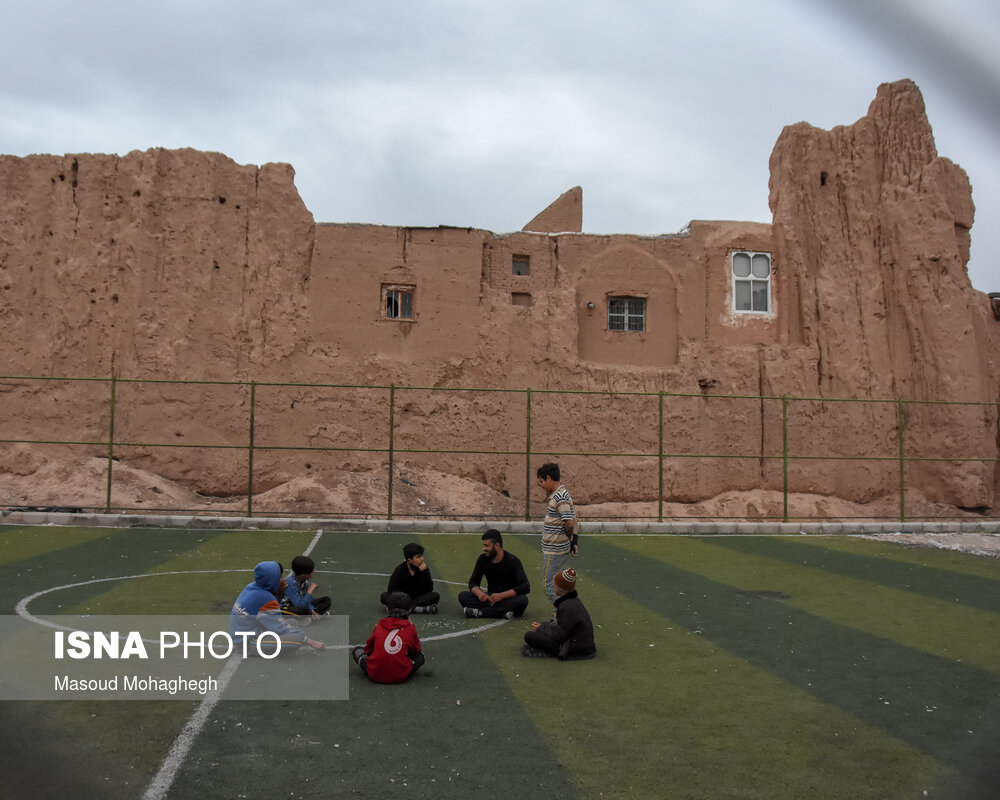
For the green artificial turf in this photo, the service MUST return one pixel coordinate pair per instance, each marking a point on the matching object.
(727, 667)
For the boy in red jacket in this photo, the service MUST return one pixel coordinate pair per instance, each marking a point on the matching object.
(392, 653)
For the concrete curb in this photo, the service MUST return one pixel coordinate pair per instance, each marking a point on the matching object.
(696, 527)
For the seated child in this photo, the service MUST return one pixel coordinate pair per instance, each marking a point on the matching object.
(256, 611)
(392, 653)
(414, 578)
(571, 635)
(299, 590)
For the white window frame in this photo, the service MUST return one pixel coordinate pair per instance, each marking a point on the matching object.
(751, 284)
(626, 313)
(397, 302)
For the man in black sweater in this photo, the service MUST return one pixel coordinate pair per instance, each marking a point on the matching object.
(507, 584)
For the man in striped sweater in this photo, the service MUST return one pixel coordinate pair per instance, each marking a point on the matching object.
(559, 531)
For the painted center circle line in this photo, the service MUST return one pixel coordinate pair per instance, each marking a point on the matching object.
(22, 606)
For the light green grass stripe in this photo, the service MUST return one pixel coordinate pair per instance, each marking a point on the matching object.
(933, 626)
(21, 544)
(233, 549)
(952, 560)
(661, 712)
(199, 592)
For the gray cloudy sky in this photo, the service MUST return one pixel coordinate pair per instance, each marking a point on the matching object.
(469, 113)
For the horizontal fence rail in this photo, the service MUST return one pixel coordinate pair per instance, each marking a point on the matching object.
(238, 432)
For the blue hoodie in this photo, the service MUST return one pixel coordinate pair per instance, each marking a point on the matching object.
(256, 609)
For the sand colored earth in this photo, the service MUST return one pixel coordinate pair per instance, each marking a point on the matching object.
(417, 493)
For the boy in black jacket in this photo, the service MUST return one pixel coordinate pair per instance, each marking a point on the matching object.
(413, 578)
(571, 635)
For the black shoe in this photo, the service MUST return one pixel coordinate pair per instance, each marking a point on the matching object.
(432, 609)
(532, 652)
(473, 612)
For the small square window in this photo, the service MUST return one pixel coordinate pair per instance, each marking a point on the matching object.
(398, 301)
(521, 265)
(520, 298)
(627, 314)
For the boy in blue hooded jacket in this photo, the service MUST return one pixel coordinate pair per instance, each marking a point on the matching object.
(256, 610)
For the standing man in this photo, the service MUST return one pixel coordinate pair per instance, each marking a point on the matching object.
(507, 584)
(559, 531)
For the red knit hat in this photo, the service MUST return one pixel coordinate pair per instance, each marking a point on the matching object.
(566, 580)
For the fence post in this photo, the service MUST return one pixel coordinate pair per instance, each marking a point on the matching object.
(111, 442)
(253, 400)
(659, 462)
(784, 457)
(392, 438)
(527, 455)
(900, 430)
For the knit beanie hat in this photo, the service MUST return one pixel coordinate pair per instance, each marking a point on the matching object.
(566, 580)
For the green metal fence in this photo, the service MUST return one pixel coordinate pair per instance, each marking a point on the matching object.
(248, 437)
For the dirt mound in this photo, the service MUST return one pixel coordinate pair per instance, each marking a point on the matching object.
(417, 492)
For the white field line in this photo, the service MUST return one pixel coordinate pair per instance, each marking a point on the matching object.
(159, 787)
(164, 779)
(314, 542)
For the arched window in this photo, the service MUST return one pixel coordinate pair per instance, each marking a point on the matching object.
(751, 282)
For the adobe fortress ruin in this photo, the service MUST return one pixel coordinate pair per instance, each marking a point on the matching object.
(185, 265)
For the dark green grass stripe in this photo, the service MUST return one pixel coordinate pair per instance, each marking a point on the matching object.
(924, 700)
(455, 731)
(941, 584)
(120, 552)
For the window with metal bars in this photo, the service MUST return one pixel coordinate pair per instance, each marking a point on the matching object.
(627, 314)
